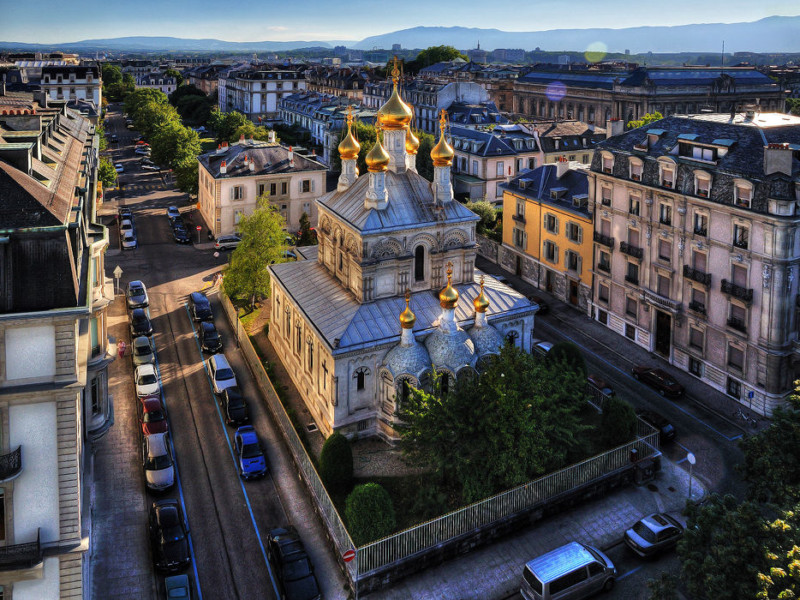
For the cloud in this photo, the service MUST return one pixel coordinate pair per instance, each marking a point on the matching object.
(277, 28)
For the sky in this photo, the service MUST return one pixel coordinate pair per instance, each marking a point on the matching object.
(54, 21)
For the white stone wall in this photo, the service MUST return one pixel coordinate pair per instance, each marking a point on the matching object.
(46, 588)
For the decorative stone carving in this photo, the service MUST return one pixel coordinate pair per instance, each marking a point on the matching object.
(766, 275)
(387, 249)
(426, 239)
(455, 239)
(681, 245)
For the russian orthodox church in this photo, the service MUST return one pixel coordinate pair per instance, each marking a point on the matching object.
(391, 292)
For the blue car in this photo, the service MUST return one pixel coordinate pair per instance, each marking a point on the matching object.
(252, 463)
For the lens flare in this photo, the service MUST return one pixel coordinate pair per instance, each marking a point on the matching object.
(556, 91)
(595, 52)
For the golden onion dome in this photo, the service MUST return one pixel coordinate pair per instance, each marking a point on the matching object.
(349, 146)
(395, 114)
(407, 318)
(442, 153)
(412, 142)
(448, 297)
(377, 159)
(481, 302)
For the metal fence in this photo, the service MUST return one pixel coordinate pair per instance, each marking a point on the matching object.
(388, 550)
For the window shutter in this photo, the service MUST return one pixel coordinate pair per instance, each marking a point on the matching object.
(555, 254)
(312, 185)
(580, 234)
(232, 193)
(580, 264)
(555, 221)
(524, 241)
(300, 187)
(244, 193)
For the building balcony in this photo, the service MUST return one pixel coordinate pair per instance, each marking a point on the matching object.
(737, 324)
(633, 251)
(604, 240)
(697, 307)
(660, 301)
(737, 291)
(21, 556)
(696, 275)
(519, 218)
(11, 465)
(605, 267)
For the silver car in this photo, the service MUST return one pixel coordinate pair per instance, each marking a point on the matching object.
(222, 376)
(142, 351)
(129, 241)
(159, 471)
(227, 242)
(137, 295)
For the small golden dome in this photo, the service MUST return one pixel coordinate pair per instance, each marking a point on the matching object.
(448, 297)
(412, 142)
(394, 114)
(349, 146)
(442, 153)
(481, 302)
(377, 159)
(407, 318)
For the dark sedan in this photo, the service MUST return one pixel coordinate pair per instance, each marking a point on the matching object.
(181, 235)
(543, 306)
(140, 323)
(210, 340)
(658, 379)
(653, 534)
(169, 536)
(200, 307)
(296, 575)
(666, 430)
(234, 406)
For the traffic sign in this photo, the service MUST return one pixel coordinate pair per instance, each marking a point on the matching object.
(690, 457)
(349, 555)
(199, 227)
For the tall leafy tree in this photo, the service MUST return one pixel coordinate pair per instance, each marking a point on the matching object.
(106, 172)
(487, 212)
(781, 578)
(186, 174)
(138, 98)
(174, 73)
(225, 124)
(152, 117)
(517, 422)
(263, 237)
(172, 143)
(431, 56)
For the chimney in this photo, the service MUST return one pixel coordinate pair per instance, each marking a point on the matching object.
(777, 159)
(252, 165)
(241, 139)
(291, 156)
(562, 166)
(614, 127)
(223, 168)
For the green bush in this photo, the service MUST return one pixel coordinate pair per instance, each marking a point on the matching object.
(336, 463)
(619, 422)
(569, 354)
(370, 513)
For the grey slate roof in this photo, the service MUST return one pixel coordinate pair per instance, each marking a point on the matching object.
(347, 325)
(270, 159)
(410, 205)
(491, 143)
(538, 183)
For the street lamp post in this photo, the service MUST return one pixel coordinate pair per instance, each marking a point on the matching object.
(692, 460)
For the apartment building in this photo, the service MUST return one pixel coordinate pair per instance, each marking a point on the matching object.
(157, 81)
(73, 83)
(697, 249)
(54, 350)
(347, 82)
(256, 93)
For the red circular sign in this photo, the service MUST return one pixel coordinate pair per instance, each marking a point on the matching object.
(199, 228)
(349, 555)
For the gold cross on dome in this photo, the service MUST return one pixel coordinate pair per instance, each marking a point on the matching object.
(443, 120)
(395, 70)
(408, 296)
(449, 270)
(349, 114)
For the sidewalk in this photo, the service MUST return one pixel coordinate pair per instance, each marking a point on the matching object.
(594, 336)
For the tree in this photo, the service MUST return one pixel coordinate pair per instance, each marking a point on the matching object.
(424, 161)
(782, 579)
(793, 106)
(106, 172)
(645, 120)
(225, 124)
(262, 244)
(185, 91)
(370, 513)
(722, 549)
(115, 85)
(569, 354)
(186, 174)
(174, 73)
(517, 422)
(101, 136)
(150, 118)
(663, 588)
(431, 56)
(336, 463)
(487, 212)
(172, 144)
(307, 236)
(138, 98)
(619, 422)
(250, 130)
(195, 110)
(111, 74)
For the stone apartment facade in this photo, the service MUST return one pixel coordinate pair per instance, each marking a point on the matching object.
(256, 93)
(697, 247)
(72, 83)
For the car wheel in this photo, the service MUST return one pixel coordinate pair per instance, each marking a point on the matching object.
(608, 585)
(662, 392)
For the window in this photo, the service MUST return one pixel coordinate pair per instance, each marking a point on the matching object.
(698, 301)
(237, 218)
(299, 338)
(419, 263)
(739, 275)
(735, 357)
(633, 237)
(574, 232)
(500, 167)
(261, 189)
(702, 184)
(741, 236)
(512, 337)
(634, 204)
(288, 323)
(631, 306)
(273, 189)
(665, 250)
(630, 331)
(696, 338)
(520, 209)
(700, 224)
(663, 285)
(604, 261)
(96, 395)
(602, 317)
(632, 274)
(605, 227)
(237, 193)
(667, 174)
(567, 581)
(551, 223)
(602, 293)
(360, 376)
(608, 162)
(520, 238)
(635, 169)
(743, 194)
(573, 261)
(475, 168)
(305, 186)
(95, 332)
(310, 355)
(444, 384)
(550, 251)
(605, 196)
(665, 214)
(284, 188)
(734, 388)
(2, 521)
(738, 317)
(324, 375)
(695, 367)
(699, 260)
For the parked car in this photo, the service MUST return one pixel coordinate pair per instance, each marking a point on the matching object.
(126, 225)
(658, 379)
(125, 213)
(222, 375)
(119, 168)
(250, 457)
(599, 384)
(142, 151)
(153, 418)
(666, 430)
(136, 292)
(159, 471)
(210, 340)
(146, 161)
(169, 537)
(140, 323)
(129, 241)
(173, 212)
(573, 571)
(200, 307)
(544, 308)
(142, 351)
(176, 587)
(234, 406)
(146, 381)
(141, 143)
(541, 347)
(181, 235)
(227, 242)
(150, 167)
(178, 222)
(114, 139)
(286, 552)
(654, 534)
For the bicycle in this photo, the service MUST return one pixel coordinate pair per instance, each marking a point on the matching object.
(741, 415)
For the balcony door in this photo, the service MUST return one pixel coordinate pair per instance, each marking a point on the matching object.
(663, 333)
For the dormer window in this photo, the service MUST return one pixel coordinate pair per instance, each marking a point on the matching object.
(702, 184)
(636, 167)
(666, 172)
(608, 162)
(742, 193)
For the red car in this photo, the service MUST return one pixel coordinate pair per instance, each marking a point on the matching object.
(153, 418)
(658, 379)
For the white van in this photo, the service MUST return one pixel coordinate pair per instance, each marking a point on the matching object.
(571, 572)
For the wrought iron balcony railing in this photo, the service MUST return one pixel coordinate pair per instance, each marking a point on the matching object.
(604, 239)
(696, 275)
(21, 556)
(633, 251)
(737, 291)
(11, 464)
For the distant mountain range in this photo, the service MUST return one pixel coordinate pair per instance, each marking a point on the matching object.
(772, 34)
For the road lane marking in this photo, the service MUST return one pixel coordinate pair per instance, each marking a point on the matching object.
(631, 572)
(232, 454)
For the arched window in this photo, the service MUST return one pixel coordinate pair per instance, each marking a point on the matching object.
(361, 376)
(444, 384)
(419, 263)
(511, 337)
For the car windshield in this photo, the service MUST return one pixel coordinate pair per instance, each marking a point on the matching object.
(211, 334)
(644, 532)
(251, 451)
(224, 374)
(173, 533)
(140, 318)
(143, 350)
(156, 463)
(136, 291)
(147, 379)
(153, 416)
(297, 569)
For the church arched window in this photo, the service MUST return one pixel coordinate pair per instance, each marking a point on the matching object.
(419, 263)
(444, 384)
(361, 378)
(511, 337)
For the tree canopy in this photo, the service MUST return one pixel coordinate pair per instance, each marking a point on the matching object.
(487, 212)
(138, 98)
(518, 421)
(106, 172)
(176, 74)
(793, 105)
(193, 105)
(262, 244)
(115, 85)
(645, 120)
(225, 124)
(431, 56)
